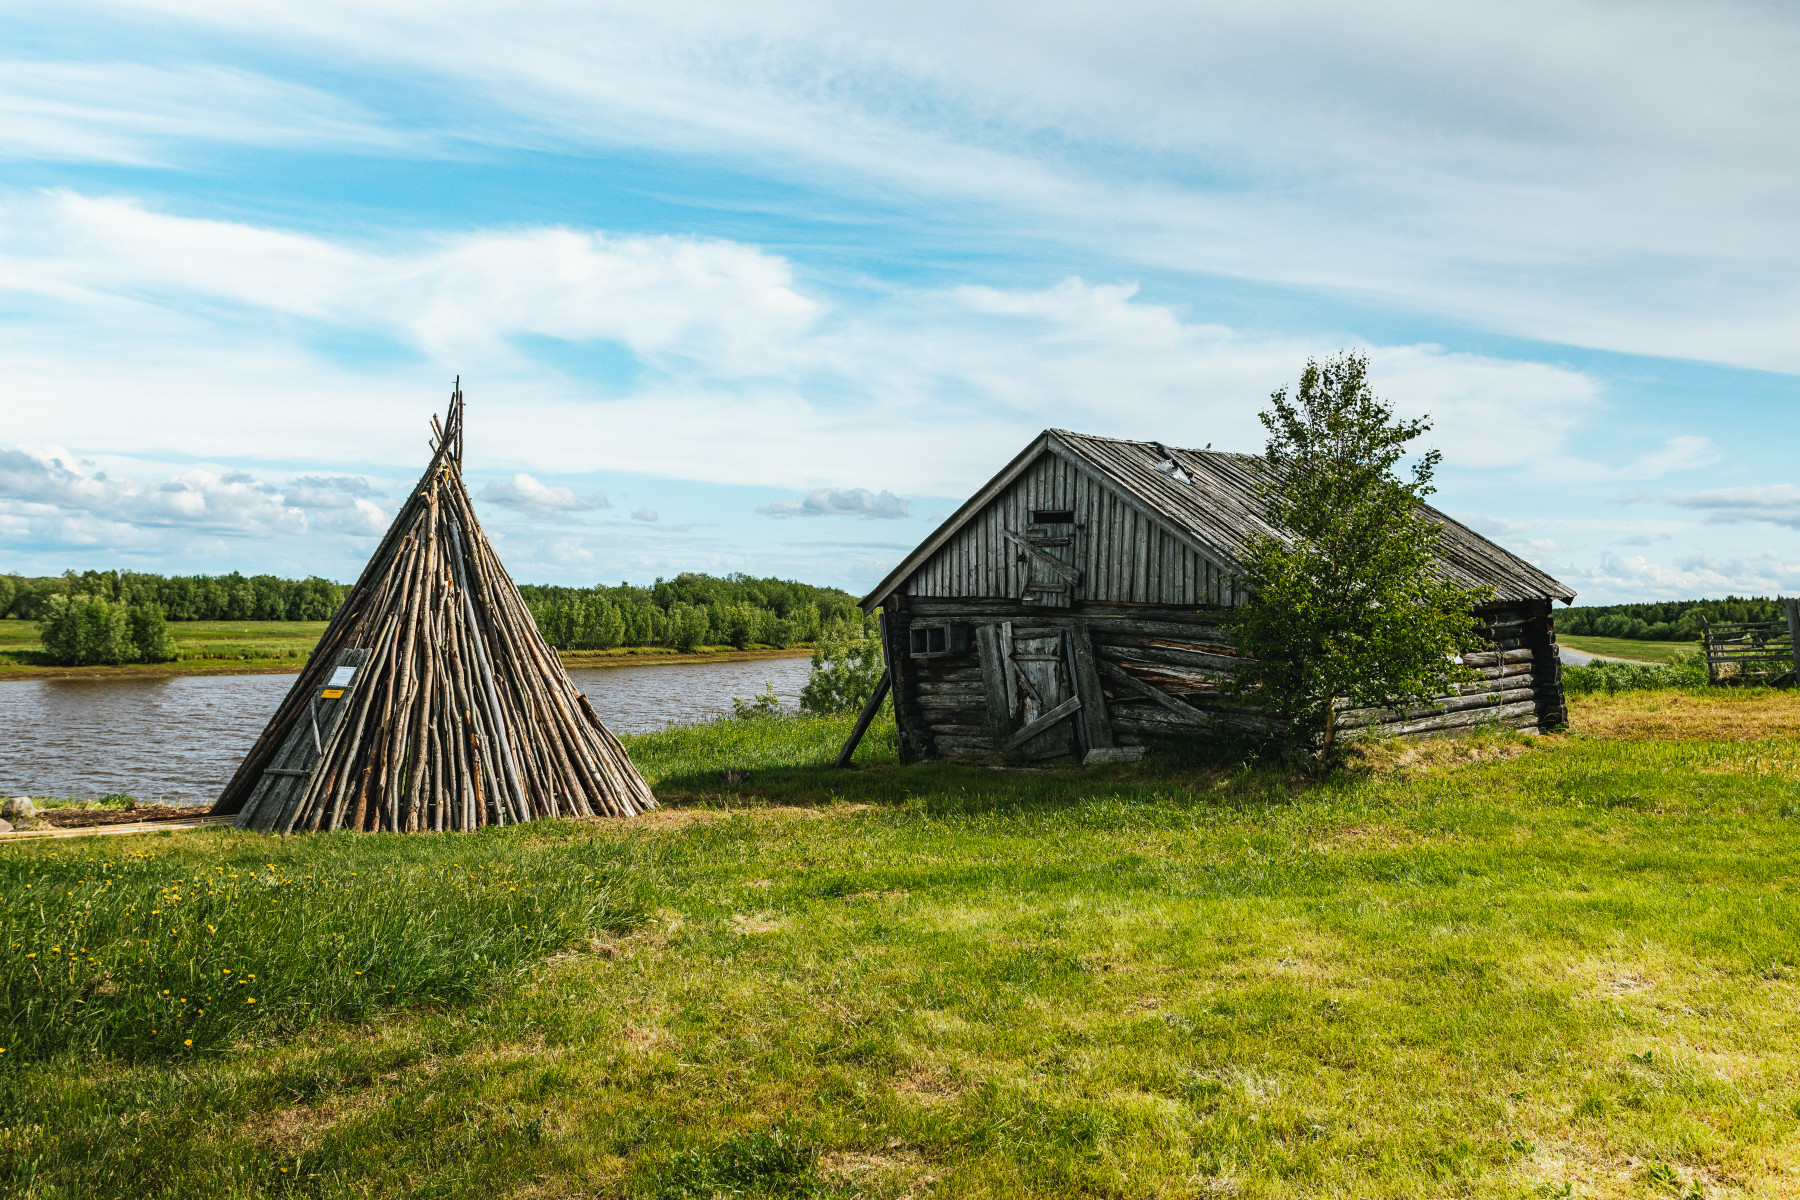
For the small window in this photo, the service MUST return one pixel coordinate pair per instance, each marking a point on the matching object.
(1052, 516)
(929, 640)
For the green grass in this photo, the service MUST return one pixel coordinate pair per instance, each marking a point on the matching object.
(1656, 652)
(1510, 966)
(205, 644)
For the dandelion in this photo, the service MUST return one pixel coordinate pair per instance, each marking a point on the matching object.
(253, 1000)
(189, 1042)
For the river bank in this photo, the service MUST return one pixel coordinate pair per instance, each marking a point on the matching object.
(281, 647)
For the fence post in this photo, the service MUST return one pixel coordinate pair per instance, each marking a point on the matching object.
(1793, 616)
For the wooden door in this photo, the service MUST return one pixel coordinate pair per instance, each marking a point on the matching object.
(1040, 666)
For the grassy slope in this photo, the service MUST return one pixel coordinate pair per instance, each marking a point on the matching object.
(1658, 652)
(245, 647)
(1489, 969)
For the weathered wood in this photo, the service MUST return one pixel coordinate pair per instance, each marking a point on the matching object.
(1096, 731)
(1151, 652)
(1452, 720)
(989, 649)
(1357, 717)
(862, 721)
(1138, 687)
(1061, 712)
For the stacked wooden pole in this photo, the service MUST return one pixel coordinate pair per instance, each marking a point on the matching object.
(432, 702)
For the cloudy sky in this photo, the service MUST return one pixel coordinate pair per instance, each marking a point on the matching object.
(772, 287)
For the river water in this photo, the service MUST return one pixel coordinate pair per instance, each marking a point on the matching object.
(179, 740)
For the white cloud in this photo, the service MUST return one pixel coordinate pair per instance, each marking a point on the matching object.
(132, 113)
(528, 495)
(1569, 171)
(840, 502)
(1755, 574)
(50, 497)
(644, 514)
(1776, 503)
(729, 304)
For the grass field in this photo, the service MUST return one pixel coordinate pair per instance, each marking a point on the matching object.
(1657, 652)
(1503, 967)
(241, 647)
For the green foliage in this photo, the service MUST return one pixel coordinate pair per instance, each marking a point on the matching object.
(846, 667)
(232, 597)
(1609, 677)
(83, 629)
(757, 705)
(1347, 605)
(1665, 621)
(150, 637)
(687, 611)
(9, 588)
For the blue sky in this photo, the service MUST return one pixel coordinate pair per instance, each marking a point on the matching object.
(772, 288)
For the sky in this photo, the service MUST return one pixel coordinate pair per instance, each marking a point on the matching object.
(772, 288)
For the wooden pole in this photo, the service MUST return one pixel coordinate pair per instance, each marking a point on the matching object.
(862, 721)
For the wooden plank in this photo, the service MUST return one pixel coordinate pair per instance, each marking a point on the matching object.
(1096, 731)
(862, 721)
(993, 675)
(1137, 686)
(1061, 712)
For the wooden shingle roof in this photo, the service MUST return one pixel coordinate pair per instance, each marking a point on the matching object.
(1217, 509)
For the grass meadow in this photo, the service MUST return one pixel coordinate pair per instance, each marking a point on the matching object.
(1505, 966)
(1629, 648)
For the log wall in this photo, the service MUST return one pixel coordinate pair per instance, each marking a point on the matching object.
(1162, 671)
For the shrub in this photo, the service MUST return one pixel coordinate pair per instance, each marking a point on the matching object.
(150, 640)
(846, 667)
(80, 630)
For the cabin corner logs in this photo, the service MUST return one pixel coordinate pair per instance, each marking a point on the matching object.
(1080, 603)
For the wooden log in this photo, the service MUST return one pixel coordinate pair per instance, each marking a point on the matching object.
(1357, 717)
(863, 720)
(1453, 720)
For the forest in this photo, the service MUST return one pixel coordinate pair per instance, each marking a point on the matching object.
(1666, 620)
(114, 616)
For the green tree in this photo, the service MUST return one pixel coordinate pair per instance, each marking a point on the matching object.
(1347, 608)
(84, 629)
(8, 589)
(149, 633)
(846, 667)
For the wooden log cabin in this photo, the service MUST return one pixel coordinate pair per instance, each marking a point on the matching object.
(1080, 602)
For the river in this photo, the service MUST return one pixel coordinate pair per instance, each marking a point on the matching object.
(178, 740)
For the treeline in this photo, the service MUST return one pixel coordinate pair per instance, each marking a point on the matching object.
(690, 610)
(232, 597)
(1665, 621)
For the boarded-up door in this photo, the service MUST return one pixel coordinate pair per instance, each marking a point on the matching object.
(1040, 664)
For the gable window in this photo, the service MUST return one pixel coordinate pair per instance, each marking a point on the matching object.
(1052, 516)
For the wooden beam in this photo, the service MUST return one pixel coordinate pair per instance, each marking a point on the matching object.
(1119, 674)
(1063, 711)
(1096, 729)
(862, 721)
(989, 650)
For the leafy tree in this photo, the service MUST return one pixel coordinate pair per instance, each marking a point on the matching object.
(8, 589)
(846, 667)
(83, 629)
(1347, 608)
(149, 632)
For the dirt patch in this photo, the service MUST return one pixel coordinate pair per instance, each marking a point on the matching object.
(1727, 715)
(1393, 757)
(924, 1087)
(892, 1164)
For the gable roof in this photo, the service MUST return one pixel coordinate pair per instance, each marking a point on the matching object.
(1217, 510)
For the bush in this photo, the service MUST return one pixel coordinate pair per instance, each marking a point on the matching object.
(846, 666)
(150, 640)
(81, 630)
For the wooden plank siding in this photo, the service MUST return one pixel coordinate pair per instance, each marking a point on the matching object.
(1123, 555)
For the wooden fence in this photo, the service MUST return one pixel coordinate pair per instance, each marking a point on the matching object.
(1755, 651)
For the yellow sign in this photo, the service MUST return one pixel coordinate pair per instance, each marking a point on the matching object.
(332, 694)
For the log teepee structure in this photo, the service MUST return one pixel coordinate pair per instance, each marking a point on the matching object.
(432, 702)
